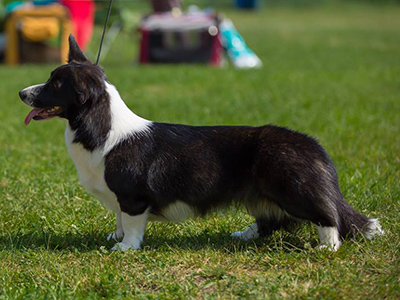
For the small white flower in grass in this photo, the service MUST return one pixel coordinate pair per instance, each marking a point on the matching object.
(74, 226)
(103, 249)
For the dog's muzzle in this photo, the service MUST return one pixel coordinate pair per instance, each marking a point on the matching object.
(23, 95)
(29, 93)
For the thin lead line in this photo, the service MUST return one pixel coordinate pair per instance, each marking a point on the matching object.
(104, 31)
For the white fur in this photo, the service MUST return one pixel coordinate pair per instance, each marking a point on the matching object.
(374, 228)
(250, 233)
(177, 212)
(133, 227)
(123, 121)
(27, 89)
(31, 90)
(329, 237)
(90, 165)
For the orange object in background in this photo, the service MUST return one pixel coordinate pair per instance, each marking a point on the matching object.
(40, 29)
(17, 17)
(82, 19)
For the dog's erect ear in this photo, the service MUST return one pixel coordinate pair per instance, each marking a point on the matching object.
(75, 53)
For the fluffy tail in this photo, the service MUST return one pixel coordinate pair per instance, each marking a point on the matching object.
(352, 223)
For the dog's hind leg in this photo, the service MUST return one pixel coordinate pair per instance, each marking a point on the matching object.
(329, 237)
(321, 211)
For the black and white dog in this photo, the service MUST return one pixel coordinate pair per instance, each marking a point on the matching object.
(144, 170)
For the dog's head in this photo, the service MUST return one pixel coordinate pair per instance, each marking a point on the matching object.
(71, 89)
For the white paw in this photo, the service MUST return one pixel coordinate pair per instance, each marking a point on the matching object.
(241, 235)
(248, 234)
(237, 235)
(329, 237)
(123, 247)
(321, 247)
(117, 235)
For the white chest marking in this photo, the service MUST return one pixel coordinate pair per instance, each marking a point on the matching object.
(91, 165)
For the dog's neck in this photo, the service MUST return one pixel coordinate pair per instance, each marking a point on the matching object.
(107, 123)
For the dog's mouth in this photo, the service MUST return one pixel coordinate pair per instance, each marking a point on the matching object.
(39, 114)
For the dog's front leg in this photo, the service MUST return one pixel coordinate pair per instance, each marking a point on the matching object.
(119, 232)
(133, 228)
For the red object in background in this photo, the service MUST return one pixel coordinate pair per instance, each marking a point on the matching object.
(82, 17)
(217, 52)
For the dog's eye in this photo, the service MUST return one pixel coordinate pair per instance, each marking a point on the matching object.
(57, 84)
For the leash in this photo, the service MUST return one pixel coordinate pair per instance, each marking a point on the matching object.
(104, 32)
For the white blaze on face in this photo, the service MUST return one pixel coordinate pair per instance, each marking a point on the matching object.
(31, 92)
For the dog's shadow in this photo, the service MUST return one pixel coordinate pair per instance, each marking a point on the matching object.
(224, 242)
(94, 241)
(52, 241)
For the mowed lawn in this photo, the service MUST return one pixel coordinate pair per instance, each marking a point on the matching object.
(330, 71)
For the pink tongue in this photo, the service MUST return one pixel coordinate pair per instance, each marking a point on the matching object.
(31, 114)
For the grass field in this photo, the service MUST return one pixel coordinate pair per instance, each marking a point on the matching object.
(331, 71)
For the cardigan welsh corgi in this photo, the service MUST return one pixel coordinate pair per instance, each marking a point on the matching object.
(144, 170)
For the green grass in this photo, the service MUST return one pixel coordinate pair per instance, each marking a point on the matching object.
(330, 71)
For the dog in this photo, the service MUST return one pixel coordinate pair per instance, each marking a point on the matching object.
(148, 171)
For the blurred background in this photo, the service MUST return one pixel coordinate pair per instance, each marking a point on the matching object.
(174, 31)
(205, 62)
(320, 66)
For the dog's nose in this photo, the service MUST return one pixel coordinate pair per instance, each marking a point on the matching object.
(22, 94)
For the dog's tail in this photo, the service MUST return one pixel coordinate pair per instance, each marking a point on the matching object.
(352, 223)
